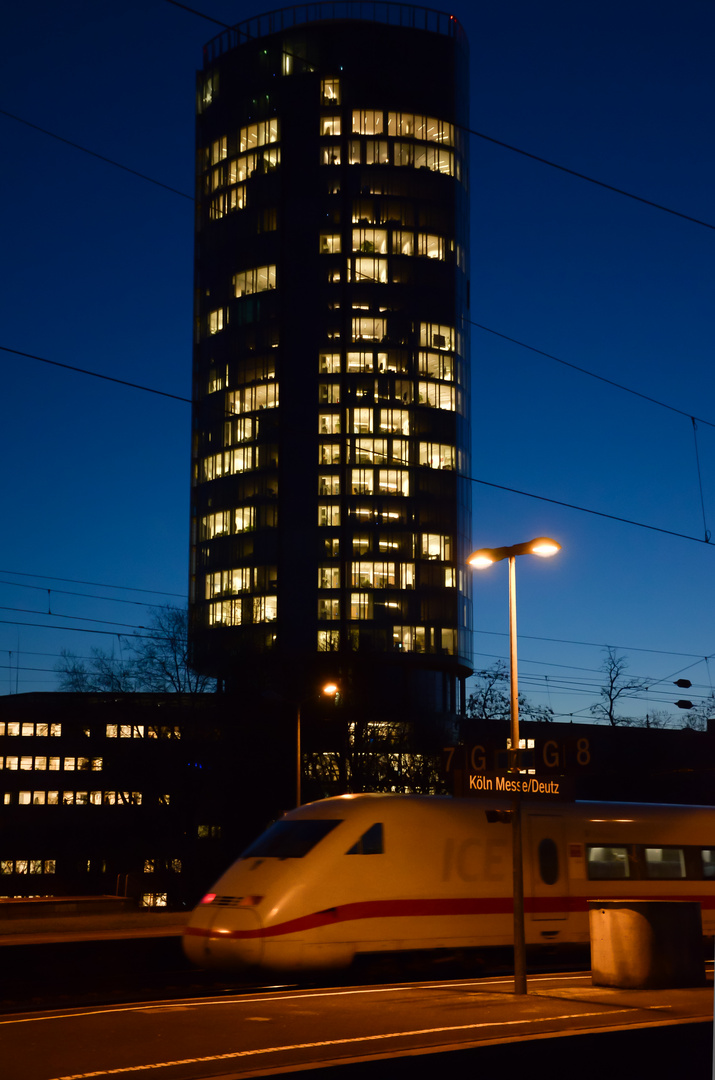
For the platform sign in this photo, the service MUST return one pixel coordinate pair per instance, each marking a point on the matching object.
(528, 785)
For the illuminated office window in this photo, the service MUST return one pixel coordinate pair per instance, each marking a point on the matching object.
(328, 484)
(397, 420)
(265, 609)
(328, 514)
(431, 246)
(368, 270)
(328, 577)
(329, 453)
(328, 640)
(393, 482)
(329, 243)
(361, 606)
(329, 393)
(436, 546)
(437, 395)
(368, 328)
(329, 125)
(370, 241)
(362, 481)
(330, 91)
(367, 122)
(437, 455)
(437, 365)
(437, 336)
(330, 154)
(328, 609)
(376, 152)
(258, 279)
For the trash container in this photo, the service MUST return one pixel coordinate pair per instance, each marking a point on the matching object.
(646, 943)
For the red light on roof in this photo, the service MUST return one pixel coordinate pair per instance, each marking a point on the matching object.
(210, 896)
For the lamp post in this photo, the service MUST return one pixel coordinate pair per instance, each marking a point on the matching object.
(330, 689)
(544, 547)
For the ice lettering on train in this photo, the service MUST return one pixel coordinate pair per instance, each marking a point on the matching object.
(474, 859)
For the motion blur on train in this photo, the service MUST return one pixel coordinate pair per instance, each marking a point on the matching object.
(406, 874)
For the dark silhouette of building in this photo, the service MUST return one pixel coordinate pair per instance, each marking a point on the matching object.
(330, 509)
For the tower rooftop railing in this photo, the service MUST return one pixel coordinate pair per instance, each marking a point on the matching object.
(391, 14)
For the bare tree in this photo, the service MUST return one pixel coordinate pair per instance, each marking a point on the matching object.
(618, 685)
(157, 661)
(161, 660)
(491, 700)
(697, 717)
(102, 673)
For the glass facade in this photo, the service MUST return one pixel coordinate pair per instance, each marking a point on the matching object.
(330, 509)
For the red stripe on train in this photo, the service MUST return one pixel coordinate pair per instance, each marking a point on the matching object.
(400, 909)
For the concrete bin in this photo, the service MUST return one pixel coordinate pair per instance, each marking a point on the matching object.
(639, 944)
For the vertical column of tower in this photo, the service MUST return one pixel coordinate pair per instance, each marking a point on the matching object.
(331, 418)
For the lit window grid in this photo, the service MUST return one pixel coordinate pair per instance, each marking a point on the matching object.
(28, 866)
(435, 398)
(42, 730)
(52, 763)
(75, 798)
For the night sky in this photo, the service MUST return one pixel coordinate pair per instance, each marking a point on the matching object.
(97, 273)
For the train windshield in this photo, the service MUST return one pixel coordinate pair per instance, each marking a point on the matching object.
(290, 839)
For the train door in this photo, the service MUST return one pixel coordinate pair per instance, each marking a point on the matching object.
(547, 891)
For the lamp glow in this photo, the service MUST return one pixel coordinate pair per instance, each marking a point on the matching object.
(544, 546)
(480, 560)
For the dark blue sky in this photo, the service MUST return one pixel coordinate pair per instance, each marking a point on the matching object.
(97, 273)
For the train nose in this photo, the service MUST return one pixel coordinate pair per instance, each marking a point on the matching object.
(224, 932)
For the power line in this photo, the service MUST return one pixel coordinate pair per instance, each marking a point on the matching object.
(92, 153)
(97, 584)
(591, 179)
(200, 14)
(66, 629)
(592, 374)
(68, 592)
(591, 644)
(77, 618)
(584, 509)
(96, 374)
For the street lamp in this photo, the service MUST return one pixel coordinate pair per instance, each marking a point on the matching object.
(544, 547)
(330, 689)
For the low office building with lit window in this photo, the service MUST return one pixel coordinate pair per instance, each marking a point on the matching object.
(116, 795)
(330, 505)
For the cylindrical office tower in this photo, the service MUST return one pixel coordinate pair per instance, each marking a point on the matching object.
(330, 505)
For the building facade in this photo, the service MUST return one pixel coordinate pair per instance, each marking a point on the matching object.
(330, 499)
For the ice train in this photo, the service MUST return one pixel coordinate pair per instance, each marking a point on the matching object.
(362, 874)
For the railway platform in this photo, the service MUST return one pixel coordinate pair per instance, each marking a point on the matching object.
(563, 1024)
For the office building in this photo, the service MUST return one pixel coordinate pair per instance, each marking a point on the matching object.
(330, 499)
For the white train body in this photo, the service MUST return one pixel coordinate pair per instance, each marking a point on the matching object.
(396, 873)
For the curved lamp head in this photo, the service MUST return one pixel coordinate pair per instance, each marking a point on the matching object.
(543, 546)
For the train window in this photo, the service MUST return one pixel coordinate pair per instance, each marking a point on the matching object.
(290, 839)
(664, 863)
(548, 861)
(370, 843)
(607, 863)
(708, 862)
